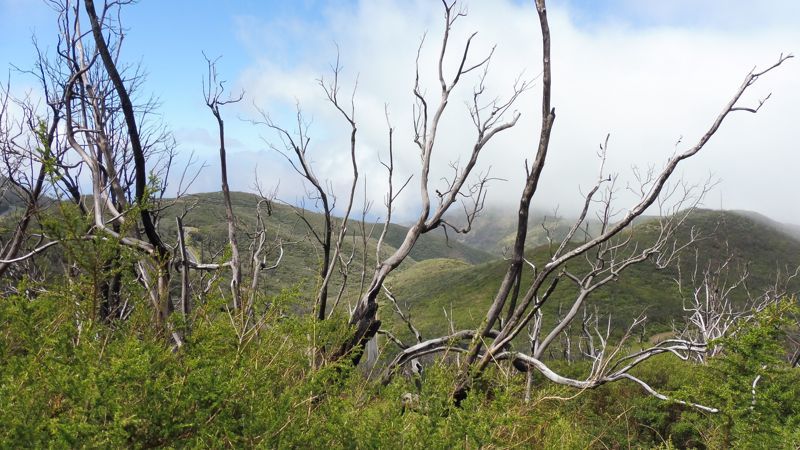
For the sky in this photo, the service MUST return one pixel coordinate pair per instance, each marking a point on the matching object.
(651, 73)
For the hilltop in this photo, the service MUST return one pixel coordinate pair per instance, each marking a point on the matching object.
(207, 227)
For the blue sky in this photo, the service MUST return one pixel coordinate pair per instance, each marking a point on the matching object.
(615, 59)
(169, 36)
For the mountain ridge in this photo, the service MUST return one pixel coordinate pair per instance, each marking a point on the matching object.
(465, 292)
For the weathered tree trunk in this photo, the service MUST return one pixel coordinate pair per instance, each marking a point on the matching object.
(161, 252)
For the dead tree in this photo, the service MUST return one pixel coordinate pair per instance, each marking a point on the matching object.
(25, 143)
(609, 253)
(213, 90)
(98, 130)
(95, 127)
(102, 162)
(34, 157)
(139, 161)
(101, 126)
(489, 120)
(653, 188)
(718, 303)
(295, 147)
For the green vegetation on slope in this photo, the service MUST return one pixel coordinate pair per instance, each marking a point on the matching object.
(465, 292)
(494, 230)
(68, 380)
(302, 255)
(209, 218)
(67, 384)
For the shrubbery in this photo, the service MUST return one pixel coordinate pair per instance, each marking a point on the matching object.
(113, 385)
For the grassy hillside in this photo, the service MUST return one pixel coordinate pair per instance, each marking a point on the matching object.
(449, 277)
(209, 214)
(83, 381)
(431, 287)
(207, 229)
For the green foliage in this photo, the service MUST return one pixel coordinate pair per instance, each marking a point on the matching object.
(70, 379)
(67, 385)
(465, 291)
(768, 415)
(45, 154)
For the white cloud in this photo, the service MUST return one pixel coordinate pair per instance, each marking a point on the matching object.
(646, 86)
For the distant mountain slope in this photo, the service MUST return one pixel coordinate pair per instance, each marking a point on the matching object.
(301, 261)
(788, 228)
(431, 245)
(436, 245)
(10, 197)
(495, 228)
(431, 287)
